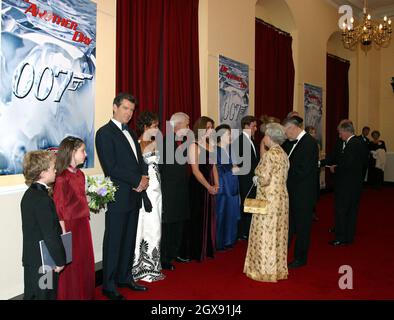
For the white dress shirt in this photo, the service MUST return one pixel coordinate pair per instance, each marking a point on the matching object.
(128, 137)
(251, 142)
(299, 137)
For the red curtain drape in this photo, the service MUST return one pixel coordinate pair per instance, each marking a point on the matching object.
(139, 35)
(274, 75)
(157, 55)
(337, 101)
(337, 97)
(181, 73)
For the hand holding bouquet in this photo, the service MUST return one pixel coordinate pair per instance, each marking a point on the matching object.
(100, 191)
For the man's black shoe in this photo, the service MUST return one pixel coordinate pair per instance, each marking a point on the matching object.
(112, 295)
(167, 266)
(296, 264)
(132, 286)
(182, 260)
(337, 243)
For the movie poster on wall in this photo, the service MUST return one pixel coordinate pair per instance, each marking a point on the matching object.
(233, 91)
(47, 77)
(313, 104)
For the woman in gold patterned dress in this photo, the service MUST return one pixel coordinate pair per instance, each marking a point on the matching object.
(266, 257)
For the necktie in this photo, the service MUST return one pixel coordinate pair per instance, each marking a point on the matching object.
(124, 127)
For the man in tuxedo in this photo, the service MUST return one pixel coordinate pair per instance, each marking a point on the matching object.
(175, 190)
(246, 156)
(348, 184)
(365, 142)
(121, 160)
(301, 184)
(364, 135)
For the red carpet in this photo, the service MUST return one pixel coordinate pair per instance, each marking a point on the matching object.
(371, 258)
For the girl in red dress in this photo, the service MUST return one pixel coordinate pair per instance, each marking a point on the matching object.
(77, 281)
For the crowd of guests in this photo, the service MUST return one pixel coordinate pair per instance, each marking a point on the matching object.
(183, 200)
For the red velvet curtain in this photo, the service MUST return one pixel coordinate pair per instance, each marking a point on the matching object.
(181, 73)
(337, 97)
(337, 102)
(274, 77)
(157, 55)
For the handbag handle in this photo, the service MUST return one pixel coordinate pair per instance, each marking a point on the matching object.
(250, 190)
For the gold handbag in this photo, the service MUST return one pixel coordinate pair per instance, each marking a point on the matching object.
(258, 206)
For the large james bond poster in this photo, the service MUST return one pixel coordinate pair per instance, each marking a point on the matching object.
(47, 77)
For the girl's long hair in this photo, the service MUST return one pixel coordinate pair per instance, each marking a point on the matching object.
(65, 152)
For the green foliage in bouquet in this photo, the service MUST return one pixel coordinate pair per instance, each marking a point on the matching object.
(100, 191)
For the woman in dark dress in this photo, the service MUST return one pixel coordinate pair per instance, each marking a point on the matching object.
(375, 174)
(204, 185)
(227, 200)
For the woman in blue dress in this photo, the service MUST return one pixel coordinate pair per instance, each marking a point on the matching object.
(227, 198)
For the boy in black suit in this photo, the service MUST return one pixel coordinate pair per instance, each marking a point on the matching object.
(40, 222)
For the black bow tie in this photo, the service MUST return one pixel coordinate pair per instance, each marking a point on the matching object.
(124, 127)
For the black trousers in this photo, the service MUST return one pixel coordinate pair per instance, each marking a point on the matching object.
(40, 286)
(246, 218)
(300, 224)
(118, 247)
(346, 209)
(174, 241)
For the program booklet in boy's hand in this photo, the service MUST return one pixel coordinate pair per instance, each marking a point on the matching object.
(46, 258)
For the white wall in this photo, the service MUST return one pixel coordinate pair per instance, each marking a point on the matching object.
(389, 169)
(12, 187)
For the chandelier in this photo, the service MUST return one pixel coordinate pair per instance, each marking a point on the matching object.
(366, 32)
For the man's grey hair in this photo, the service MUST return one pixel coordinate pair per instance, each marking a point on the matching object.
(178, 117)
(292, 113)
(346, 125)
(276, 132)
(295, 120)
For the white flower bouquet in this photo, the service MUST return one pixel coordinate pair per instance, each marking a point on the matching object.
(100, 191)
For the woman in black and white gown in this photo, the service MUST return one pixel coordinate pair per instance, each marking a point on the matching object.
(146, 266)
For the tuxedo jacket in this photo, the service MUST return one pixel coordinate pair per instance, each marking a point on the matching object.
(239, 158)
(350, 164)
(340, 157)
(174, 184)
(118, 162)
(302, 176)
(40, 222)
(365, 144)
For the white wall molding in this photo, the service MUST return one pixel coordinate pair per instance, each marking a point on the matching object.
(12, 189)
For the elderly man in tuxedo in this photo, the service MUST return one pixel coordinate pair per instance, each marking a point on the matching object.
(175, 190)
(121, 159)
(303, 153)
(348, 168)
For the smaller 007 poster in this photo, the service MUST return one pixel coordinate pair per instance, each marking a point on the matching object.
(233, 91)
